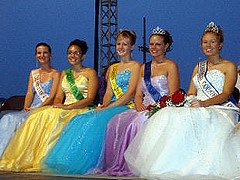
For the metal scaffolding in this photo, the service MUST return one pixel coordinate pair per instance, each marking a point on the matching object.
(108, 32)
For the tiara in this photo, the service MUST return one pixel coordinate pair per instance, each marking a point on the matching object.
(159, 30)
(212, 27)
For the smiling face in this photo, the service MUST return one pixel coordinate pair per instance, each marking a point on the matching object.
(43, 54)
(75, 55)
(211, 45)
(123, 46)
(157, 47)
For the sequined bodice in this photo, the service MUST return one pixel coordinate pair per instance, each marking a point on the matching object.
(81, 83)
(46, 86)
(122, 80)
(215, 77)
(160, 83)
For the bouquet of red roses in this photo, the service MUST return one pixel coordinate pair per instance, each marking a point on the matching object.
(177, 99)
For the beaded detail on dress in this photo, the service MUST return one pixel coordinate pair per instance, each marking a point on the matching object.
(122, 79)
(160, 83)
(216, 78)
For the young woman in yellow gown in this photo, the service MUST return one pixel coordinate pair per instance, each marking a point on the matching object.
(75, 95)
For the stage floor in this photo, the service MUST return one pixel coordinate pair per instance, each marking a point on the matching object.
(39, 176)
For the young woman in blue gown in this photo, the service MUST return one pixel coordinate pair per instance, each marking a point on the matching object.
(41, 92)
(79, 146)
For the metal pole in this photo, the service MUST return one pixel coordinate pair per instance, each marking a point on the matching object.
(144, 40)
(96, 41)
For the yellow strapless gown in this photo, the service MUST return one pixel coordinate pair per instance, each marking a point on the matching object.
(36, 136)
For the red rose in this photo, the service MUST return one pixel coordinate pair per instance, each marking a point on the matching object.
(178, 97)
(164, 98)
(149, 107)
(162, 104)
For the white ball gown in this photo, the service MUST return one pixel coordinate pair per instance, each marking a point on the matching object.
(187, 142)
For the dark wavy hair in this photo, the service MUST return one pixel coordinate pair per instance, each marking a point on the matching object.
(80, 43)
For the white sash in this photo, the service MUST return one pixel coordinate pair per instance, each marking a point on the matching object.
(208, 89)
(36, 83)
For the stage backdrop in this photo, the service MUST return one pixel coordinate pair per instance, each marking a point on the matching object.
(24, 23)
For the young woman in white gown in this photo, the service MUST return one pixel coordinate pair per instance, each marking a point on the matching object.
(200, 141)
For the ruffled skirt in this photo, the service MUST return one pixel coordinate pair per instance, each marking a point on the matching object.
(181, 143)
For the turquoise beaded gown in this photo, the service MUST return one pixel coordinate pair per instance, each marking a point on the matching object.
(11, 121)
(78, 149)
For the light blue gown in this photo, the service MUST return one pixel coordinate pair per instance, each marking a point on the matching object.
(11, 121)
(79, 147)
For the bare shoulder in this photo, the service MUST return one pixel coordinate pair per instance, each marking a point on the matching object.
(195, 70)
(229, 63)
(55, 72)
(142, 69)
(90, 71)
(35, 70)
(135, 64)
(171, 63)
(228, 66)
(112, 65)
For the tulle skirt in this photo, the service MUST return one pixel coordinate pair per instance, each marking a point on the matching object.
(35, 137)
(79, 146)
(8, 125)
(181, 143)
(121, 129)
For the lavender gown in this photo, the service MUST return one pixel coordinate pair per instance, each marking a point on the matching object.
(123, 127)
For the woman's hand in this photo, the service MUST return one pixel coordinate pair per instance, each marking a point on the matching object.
(140, 107)
(26, 109)
(196, 103)
(62, 106)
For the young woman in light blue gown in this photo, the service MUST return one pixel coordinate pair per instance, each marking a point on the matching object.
(42, 88)
(159, 77)
(200, 141)
(79, 146)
